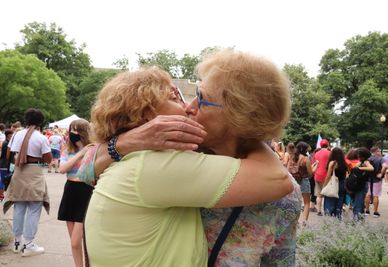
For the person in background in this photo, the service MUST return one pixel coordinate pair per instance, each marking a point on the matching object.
(322, 157)
(336, 163)
(2, 134)
(300, 159)
(27, 190)
(56, 143)
(375, 184)
(279, 149)
(4, 163)
(313, 199)
(352, 161)
(363, 155)
(290, 150)
(76, 195)
(16, 126)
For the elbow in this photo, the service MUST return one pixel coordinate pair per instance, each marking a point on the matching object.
(285, 184)
(61, 170)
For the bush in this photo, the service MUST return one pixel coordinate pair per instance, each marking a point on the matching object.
(5, 233)
(343, 243)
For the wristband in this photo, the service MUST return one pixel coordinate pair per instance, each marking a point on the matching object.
(114, 154)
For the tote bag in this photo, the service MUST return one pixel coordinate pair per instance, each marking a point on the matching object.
(332, 187)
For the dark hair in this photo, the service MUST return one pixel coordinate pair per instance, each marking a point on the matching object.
(2, 126)
(352, 154)
(338, 156)
(374, 149)
(8, 131)
(301, 149)
(34, 117)
(363, 153)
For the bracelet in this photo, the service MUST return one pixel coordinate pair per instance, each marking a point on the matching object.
(114, 154)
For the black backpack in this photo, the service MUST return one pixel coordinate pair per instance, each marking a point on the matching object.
(356, 180)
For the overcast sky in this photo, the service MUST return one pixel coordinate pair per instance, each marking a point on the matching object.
(298, 31)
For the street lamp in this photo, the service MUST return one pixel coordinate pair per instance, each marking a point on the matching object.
(382, 120)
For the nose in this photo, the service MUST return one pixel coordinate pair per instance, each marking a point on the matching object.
(192, 107)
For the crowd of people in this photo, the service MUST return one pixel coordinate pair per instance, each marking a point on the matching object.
(155, 181)
(325, 163)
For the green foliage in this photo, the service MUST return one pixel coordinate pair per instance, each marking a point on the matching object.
(343, 244)
(357, 75)
(49, 44)
(89, 88)
(187, 65)
(25, 82)
(311, 113)
(122, 63)
(165, 59)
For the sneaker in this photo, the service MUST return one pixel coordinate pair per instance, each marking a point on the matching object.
(367, 212)
(376, 214)
(17, 247)
(31, 249)
(319, 214)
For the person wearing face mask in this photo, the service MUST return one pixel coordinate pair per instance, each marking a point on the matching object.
(76, 194)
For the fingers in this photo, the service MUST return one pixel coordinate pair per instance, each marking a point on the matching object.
(179, 136)
(178, 118)
(179, 146)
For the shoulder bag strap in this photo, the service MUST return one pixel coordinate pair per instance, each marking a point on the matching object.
(223, 235)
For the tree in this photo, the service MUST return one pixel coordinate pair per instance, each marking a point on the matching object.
(311, 113)
(165, 59)
(187, 65)
(49, 44)
(89, 88)
(361, 65)
(26, 82)
(360, 125)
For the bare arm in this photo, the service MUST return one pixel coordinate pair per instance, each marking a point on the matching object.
(66, 166)
(47, 158)
(329, 172)
(368, 167)
(261, 178)
(163, 132)
(310, 170)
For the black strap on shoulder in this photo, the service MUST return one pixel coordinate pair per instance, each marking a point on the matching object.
(223, 235)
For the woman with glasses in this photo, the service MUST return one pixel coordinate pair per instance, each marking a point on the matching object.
(253, 98)
(145, 207)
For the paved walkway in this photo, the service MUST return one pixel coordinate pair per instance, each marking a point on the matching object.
(53, 236)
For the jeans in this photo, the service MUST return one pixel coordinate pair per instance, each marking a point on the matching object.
(358, 204)
(3, 173)
(26, 215)
(333, 206)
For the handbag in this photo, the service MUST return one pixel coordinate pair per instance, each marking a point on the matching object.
(332, 187)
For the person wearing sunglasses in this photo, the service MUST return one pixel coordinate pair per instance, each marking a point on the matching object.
(146, 204)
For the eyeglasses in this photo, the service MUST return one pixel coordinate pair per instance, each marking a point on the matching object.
(178, 94)
(204, 102)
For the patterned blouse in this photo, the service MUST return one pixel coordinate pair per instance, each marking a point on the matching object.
(263, 235)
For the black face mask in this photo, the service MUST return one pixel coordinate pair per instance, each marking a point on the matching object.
(74, 137)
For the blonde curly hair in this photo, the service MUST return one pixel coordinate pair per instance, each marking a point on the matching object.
(128, 101)
(254, 93)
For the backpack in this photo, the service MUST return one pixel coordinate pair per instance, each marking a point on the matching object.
(293, 168)
(356, 180)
